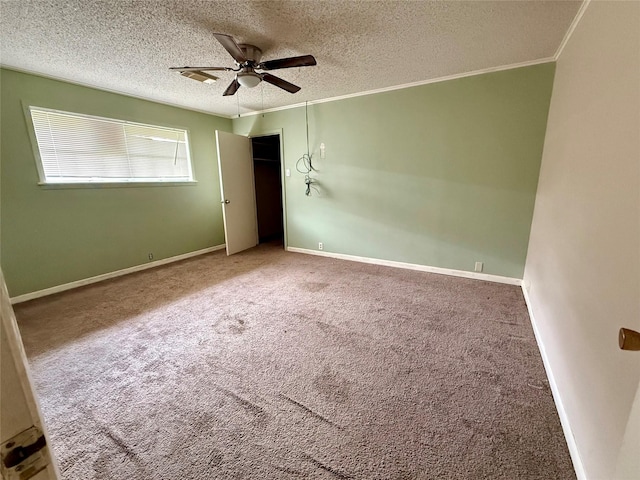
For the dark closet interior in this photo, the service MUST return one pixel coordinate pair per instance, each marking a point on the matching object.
(268, 181)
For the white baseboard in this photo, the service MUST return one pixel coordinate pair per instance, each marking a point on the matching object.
(411, 266)
(105, 276)
(562, 413)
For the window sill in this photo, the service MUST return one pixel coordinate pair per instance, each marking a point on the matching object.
(90, 185)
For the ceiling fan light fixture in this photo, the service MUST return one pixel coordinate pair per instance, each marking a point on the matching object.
(249, 79)
(200, 76)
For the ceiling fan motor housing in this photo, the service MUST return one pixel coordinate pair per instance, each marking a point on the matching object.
(252, 53)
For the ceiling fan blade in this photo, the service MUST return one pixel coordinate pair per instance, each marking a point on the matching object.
(232, 88)
(199, 69)
(278, 82)
(231, 46)
(303, 61)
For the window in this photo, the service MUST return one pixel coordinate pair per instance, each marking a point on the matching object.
(77, 148)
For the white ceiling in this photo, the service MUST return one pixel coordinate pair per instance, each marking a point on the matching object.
(128, 45)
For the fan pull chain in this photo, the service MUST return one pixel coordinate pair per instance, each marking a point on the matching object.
(238, 101)
(262, 94)
(306, 120)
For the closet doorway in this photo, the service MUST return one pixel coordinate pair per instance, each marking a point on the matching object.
(267, 168)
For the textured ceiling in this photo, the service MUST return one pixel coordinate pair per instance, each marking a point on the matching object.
(128, 45)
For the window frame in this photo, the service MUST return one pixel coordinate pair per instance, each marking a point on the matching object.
(42, 179)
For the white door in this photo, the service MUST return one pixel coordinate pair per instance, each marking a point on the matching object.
(238, 192)
(21, 427)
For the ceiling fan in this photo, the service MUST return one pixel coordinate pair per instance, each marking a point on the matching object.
(247, 58)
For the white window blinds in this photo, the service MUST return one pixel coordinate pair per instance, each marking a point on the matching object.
(79, 148)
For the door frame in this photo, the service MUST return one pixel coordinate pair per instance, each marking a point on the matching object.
(19, 365)
(270, 133)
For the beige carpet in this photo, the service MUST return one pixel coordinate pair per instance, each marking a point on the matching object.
(274, 365)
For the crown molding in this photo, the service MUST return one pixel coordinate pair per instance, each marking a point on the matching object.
(329, 99)
(404, 85)
(571, 29)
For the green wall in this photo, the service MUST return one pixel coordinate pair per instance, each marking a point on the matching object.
(51, 236)
(443, 174)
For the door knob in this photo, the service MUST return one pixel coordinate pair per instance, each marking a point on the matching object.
(629, 339)
(225, 201)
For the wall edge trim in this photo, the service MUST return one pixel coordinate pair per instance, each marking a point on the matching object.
(106, 276)
(574, 452)
(572, 27)
(411, 266)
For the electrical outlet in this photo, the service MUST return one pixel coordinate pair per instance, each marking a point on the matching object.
(320, 246)
(151, 256)
(287, 172)
(322, 150)
(479, 266)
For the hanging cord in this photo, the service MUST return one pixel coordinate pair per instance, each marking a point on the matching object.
(238, 101)
(304, 165)
(306, 121)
